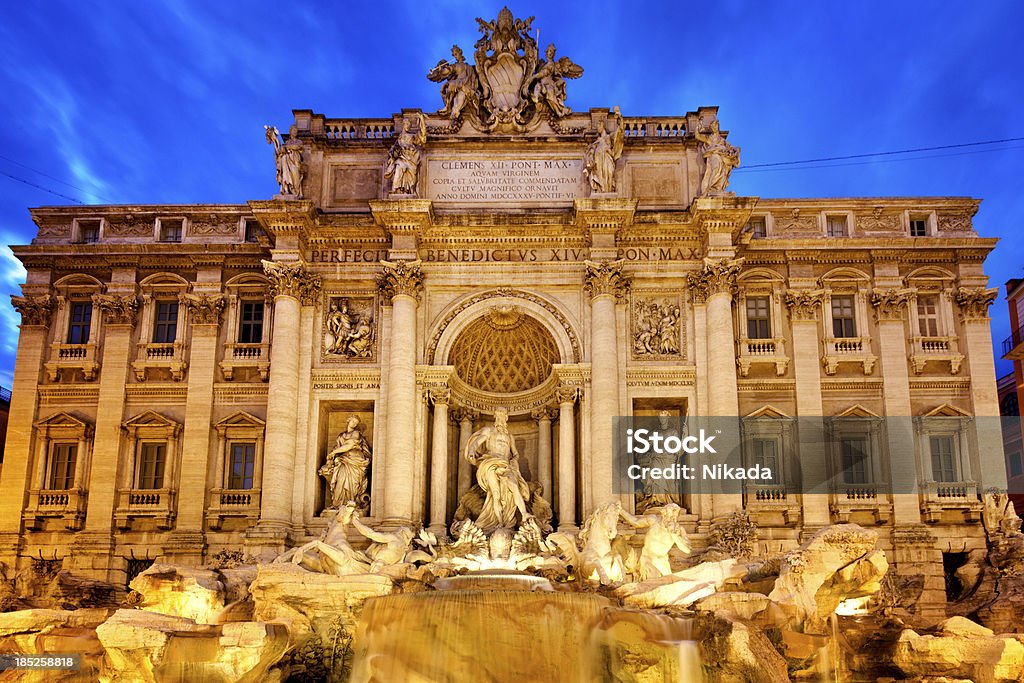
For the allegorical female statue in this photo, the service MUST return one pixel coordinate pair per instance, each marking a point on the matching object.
(603, 153)
(346, 468)
(289, 163)
(404, 157)
(720, 157)
(493, 451)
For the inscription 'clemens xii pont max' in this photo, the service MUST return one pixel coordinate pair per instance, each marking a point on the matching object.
(504, 180)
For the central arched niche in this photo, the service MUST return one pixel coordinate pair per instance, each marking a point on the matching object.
(504, 351)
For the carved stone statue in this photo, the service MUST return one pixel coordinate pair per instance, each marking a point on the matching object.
(506, 493)
(599, 161)
(404, 158)
(601, 558)
(656, 328)
(720, 158)
(348, 328)
(331, 554)
(664, 532)
(549, 82)
(346, 468)
(660, 492)
(461, 84)
(289, 162)
(508, 88)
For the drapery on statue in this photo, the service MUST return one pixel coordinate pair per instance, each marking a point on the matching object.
(599, 162)
(461, 83)
(720, 158)
(289, 163)
(346, 468)
(549, 82)
(659, 492)
(404, 157)
(493, 451)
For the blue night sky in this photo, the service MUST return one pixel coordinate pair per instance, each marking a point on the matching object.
(164, 102)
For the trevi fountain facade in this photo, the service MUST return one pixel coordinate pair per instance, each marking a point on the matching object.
(363, 430)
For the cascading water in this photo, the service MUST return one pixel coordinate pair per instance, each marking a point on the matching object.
(493, 627)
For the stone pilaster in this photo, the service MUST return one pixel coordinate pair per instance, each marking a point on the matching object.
(606, 285)
(290, 283)
(35, 320)
(804, 314)
(567, 458)
(93, 545)
(401, 282)
(543, 416)
(465, 418)
(439, 461)
(188, 540)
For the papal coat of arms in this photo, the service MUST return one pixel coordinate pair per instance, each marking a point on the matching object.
(510, 88)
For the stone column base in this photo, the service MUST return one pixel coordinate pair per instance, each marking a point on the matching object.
(265, 543)
(92, 555)
(186, 548)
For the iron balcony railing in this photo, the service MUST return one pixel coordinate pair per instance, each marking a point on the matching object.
(5, 395)
(1015, 339)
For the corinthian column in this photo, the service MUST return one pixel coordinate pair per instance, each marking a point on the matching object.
(543, 417)
(465, 418)
(439, 461)
(566, 458)
(290, 284)
(974, 303)
(606, 284)
(714, 284)
(401, 282)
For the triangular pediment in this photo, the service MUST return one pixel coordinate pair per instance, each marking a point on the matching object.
(767, 411)
(62, 419)
(857, 410)
(946, 410)
(149, 418)
(241, 419)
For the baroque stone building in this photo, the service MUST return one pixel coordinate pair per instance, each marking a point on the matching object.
(183, 370)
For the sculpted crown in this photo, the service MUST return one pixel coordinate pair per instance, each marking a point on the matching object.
(889, 303)
(401, 277)
(974, 302)
(509, 88)
(119, 310)
(605, 278)
(292, 279)
(804, 304)
(714, 277)
(35, 310)
(205, 308)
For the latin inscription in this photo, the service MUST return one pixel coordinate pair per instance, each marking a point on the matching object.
(503, 255)
(504, 180)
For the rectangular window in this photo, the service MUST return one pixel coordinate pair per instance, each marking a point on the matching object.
(928, 315)
(62, 466)
(79, 322)
(250, 323)
(758, 227)
(88, 231)
(943, 458)
(243, 463)
(170, 229)
(835, 226)
(252, 230)
(918, 227)
(758, 319)
(165, 328)
(853, 453)
(766, 454)
(844, 323)
(152, 458)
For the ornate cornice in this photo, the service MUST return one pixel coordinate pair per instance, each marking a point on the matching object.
(292, 279)
(605, 278)
(890, 303)
(401, 278)
(34, 310)
(206, 309)
(974, 302)
(715, 277)
(804, 304)
(119, 310)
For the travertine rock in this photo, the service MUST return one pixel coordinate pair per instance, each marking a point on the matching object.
(738, 653)
(737, 605)
(680, 588)
(143, 646)
(961, 650)
(832, 566)
(47, 631)
(188, 592)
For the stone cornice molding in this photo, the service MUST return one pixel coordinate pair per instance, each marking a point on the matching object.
(804, 304)
(292, 279)
(206, 309)
(890, 303)
(403, 216)
(604, 213)
(285, 217)
(974, 302)
(34, 310)
(716, 276)
(401, 278)
(606, 278)
(119, 310)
